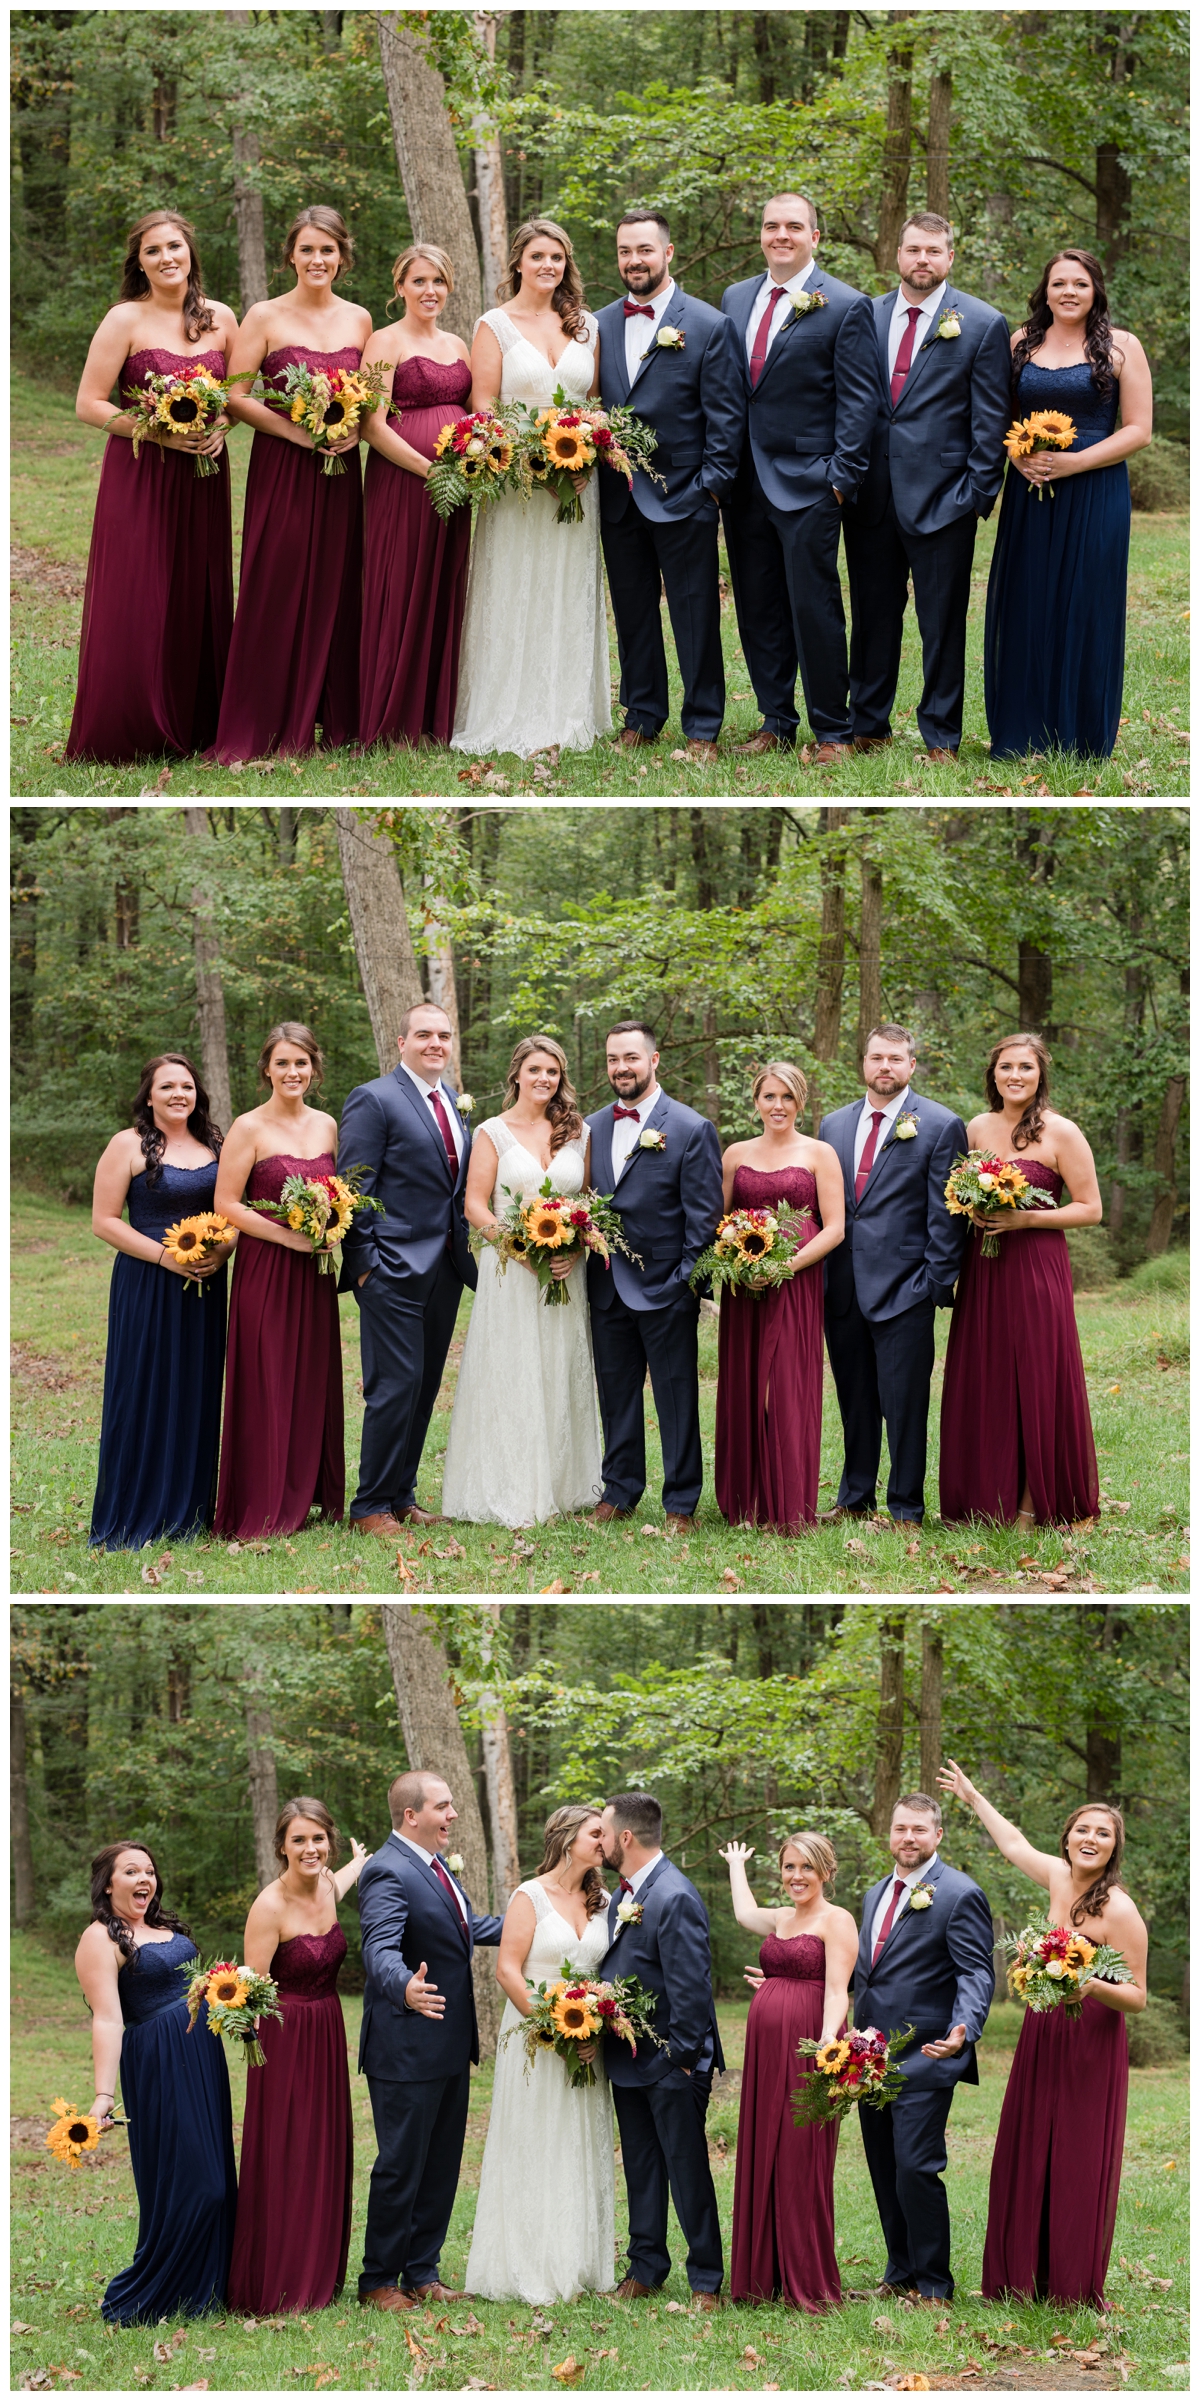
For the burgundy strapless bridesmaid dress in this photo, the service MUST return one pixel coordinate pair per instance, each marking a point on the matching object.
(1014, 1396)
(415, 570)
(282, 1447)
(297, 2168)
(158, 601)
(293, 660)
(770, 1353)
(1056, 2168)
(783, 2243)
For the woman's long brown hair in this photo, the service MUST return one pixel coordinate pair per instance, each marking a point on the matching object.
(563, 1110)
(560, 1833)
(1028, 1127)
(568, 299)
(1091, 1903)
(135, 283)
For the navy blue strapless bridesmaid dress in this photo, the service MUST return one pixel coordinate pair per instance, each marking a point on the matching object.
(163, 1370)
(175, 2091)
(1054, 637)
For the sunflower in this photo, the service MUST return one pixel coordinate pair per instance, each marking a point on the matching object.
(575, 2018)
(297, 411)
(1010, 1183)
(188, 1240)
(1018, 442)
(444, 442)
(568, 447)
(1018, 1977)
(74, 2132)
(500, 454)
(752, 1242)
(1079, 1952)
(225, 1989)
(1054, 427)
(546, 1225)
(831, 2057)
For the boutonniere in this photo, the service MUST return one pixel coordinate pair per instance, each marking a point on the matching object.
(629, 1912)
(905, 1126)
(456, 1863)
(464, 1102)
(948, 327)
(669, 337)
(652, 1139)
(804, 301)
(920, 1896)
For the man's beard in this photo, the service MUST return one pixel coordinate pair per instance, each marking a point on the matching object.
(639, 1090)
(649, 282)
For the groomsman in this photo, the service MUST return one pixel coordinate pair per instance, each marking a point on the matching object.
(670, 358)
(943, 369)
(806, 348)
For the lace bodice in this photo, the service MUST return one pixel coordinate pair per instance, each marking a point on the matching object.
(528, 375)
(268, 1176)
(141, 363)
(555, 1939)
(176, 1192)
(520, 1171)
(154, 1984)
(764, 1188)
(305, 1967)
(1072, 389)
(802, 1957)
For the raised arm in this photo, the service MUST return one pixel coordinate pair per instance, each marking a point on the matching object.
(97, 1965)
(343, 1877)
(745, 1907)
(1009, 1840)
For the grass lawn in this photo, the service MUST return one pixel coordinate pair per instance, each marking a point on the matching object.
(1135, 1347)
(72, 2231)
(55, 475)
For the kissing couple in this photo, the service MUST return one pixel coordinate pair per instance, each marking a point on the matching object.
(534, 2239)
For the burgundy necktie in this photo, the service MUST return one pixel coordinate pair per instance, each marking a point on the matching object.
(639, 308)
(886, 1927)
(618, 1111)
(443, 1878)
(904, 355)
(867, 1160)
(444, 1131)
(758, 356)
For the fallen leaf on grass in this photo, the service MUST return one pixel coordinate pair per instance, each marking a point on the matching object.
(570, 2370)
(677, 2307)
(417, 2349)
(476, 2384)
(751, 2357)
(732, 1582)
(403, 1570)
(557, 1586)
(911, 2384)
(213, 2353)
(19, 2327)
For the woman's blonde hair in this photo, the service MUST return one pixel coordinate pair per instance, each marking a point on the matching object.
(568, 298)
(437, 258)
(563, 1110)
(792, 1078)
(560, 1833)
(816, 1852)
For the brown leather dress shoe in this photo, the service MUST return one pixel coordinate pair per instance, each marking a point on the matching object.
(631, 739)
(433, 2292)
(833, 1517)
(420, 1517)
(827, 754)
(872, 742)
(939, 758)
(388, 1528)
(631, 2290)
(702, 754)
(386, 2296)
(605, 1512)
(762, 740)
(680, 1525)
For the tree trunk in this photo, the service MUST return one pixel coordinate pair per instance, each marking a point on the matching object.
(210, 992)
(24, 827)
(501, 1793)
(289, 820)
(18, 1810)
(1164, 1168)
(125, 896)
(712, 1069)
(443, 985)
(263, 1781)
(889, 1726)
(489, 181)
(931, 1707)
(706, 894)
(1113, 194)
(897, 149)
(1035, 967)
(391, 981)
(433, 1739)
(870, 938)
(428, 163)
(1103, 1764)
(1127, 1133)
(937, 162)
(831, 957)
(247, 202)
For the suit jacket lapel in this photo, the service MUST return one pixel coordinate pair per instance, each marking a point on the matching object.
(843, 1143)
(672, 315)
(448, 1902)
(616, 317)
(927, 1876)
(425, 1118)
(889, 1143)
(787, 331)
(657, 1117)
(883, 319)
(926, 346)
(870, 1906)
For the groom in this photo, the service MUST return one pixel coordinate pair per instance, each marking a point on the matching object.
(664, 1163)
(658, 1931)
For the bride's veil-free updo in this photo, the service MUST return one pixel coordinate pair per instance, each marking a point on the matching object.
(563, 1110)
(561, 1830)
(568, 299)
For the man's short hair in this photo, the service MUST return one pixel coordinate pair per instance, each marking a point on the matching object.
(644, 216)
(923, 1801)
(409, 1791)
(634, 1025)
(409, 1015)
(891, 1033)
(641, 1813)
(806, 197)
(928, 221)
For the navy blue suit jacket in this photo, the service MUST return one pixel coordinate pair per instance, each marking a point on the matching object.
(407, 1916)
(389, 1130)
(669, 1952)
(940, 449)
(669, 1203)
(693, 398)
(810, 414)
(902, 1245)
(935, 1971)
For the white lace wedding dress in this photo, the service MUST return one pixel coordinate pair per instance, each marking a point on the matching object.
(545, 2225)
(534, 663)
(524, 1439)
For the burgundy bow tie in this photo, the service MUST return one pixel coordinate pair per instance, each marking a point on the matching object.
(618, 1111)
(638, 308)
(624, 1885)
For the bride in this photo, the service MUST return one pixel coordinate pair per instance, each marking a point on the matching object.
(525, 1437)
(525, 2248)
(534, 666)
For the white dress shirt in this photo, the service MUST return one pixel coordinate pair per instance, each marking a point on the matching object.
(915, 1875)
(625, 1133)
(636, 1881)
(898, 322)
(795, 284)
(640, 331)
(863, 1128)
(428, 1858)
(427, 1091)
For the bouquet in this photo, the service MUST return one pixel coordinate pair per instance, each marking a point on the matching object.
(235, 1997)
(575, 2009)
(328, 402)
(858, 2066)
(1052, 1964)
(753, 1249)
(977, 1182)
(187, 403)
(74, 2132)
(1043, 429)
(538, 1231)
(196, 1238)
(563, 441)
(473, 461)
(323, 1207)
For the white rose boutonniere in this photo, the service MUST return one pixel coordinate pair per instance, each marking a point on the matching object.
(805, 302)
(456, 1863)
(464, 1102)
(905, 1126)
(629, 1912)
(949, 326)
(669, 337)
(920, 1896)
(652, 1139)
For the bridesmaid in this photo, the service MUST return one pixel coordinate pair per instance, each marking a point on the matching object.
(175, 2089)
(282, 1449)
(297, 2133)
(158, 602)
(1054, 635)
(293, 661)
(1016, 1431)
(783, 2241)
(415, 584)
(161, 1420)
(1056, 2168)
(768, 1459)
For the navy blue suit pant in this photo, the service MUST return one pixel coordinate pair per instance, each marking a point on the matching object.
(664, 2146)
(404, 1344)
(643, 556)
(419, 2130)
(906, 2155)
(784, 568)
(625, 1342)
(880, 559)
(882, 1368)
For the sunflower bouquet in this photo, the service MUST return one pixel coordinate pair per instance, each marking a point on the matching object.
(322, 1207)
(537, 1232)
(979, 1182)
(74, 2132)
(574, 2010)
(857, 2066)
(473, 461)
(330, 402)
(189, 403)
(236, 1998)
(1043, 429)
(197, 1238)
(752, 1250)
(1051, 1965)
(564, 440)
